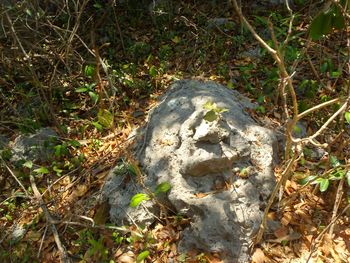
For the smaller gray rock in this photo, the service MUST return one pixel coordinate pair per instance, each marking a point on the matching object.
(17, 233)
(221, 22)
(119, 190)
(34, 147)
(253, 52)
(3, 141)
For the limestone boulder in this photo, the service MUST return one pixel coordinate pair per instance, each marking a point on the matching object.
(220, 171)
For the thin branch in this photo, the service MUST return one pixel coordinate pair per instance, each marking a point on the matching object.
(17, 180)
(281, 182)
(62, 250)
(42, 241)
(251, 29)
(317, 107)
(325, 125)
(337, 202)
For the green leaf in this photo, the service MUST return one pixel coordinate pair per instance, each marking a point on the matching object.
(94, 97)
(260, 109)
(97, 126)
(61, 150)
(29, 12)
(210, 116)
(142, 256)
(209, 105)
(230, 85)
(105, 118)
(41, 170)
(337, 175)
(297, 129)
(138, 198)
(220, 110)
(334, 161)
(338, 21)
(162, 188)
(57, 170)
(28, 164)
(74, 143)
(132, 168)
(153, 71)
(347, 117)
(321, 25)
(176, 40)
(324, 183)
(89, 70)
(97, 5)
(347, 176)
(335, 74)
(81, 89)
(307, 179)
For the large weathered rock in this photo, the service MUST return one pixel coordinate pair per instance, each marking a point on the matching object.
(196, 156)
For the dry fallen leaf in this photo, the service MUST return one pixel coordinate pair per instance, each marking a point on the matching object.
(128, 257)
(258, 256)
(201, 195)
(287, 217)
(281, 232)
(102, 213)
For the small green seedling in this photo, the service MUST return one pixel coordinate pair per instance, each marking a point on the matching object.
(214, 112)
(140, 197)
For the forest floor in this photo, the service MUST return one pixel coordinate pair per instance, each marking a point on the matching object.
(93, 69)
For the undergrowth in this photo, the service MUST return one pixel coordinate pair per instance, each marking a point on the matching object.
(93, 69)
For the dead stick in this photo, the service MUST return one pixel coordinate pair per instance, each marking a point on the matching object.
(337, 202)
(17, 180)
(282, 181)
(62, 250)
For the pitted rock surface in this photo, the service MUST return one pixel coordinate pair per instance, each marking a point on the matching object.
(200, 157)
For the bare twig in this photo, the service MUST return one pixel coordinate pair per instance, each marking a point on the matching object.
(278, 57)
(75, 28)
(325, 125)
(337, 202)
(42, 241)
(317, 107)
(290, 23)
(62, 250)
(281, 182)
(312, 67)
(17, 180)
(34, 75)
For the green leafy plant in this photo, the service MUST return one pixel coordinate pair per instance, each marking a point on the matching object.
(162, 188)
(89, 70)
(142, 256)
(336, 173)
(89, 89)
(347, 117)
(105, 118)
(97, 249)
(214, 112)
(326, 21)
(141, 197)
